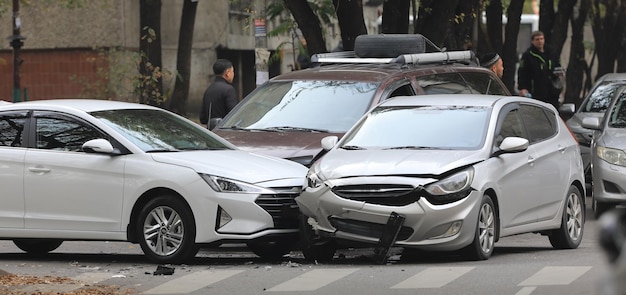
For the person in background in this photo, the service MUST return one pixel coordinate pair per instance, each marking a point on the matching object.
(220, 97)
(535, 69)
(493, 62)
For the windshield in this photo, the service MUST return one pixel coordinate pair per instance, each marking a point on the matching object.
(421, 127)
(159, 131)
(600, 98)
(617, 119)
(315, 106)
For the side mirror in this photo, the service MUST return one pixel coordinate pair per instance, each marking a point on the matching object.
(99, 145)
(567, 108)
(329, 142)
(592, 123)
(213, 122)
(512, 145)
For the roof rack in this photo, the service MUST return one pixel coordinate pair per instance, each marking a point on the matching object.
(445, 57)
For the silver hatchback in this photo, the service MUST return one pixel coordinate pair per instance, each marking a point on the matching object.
(445, 172)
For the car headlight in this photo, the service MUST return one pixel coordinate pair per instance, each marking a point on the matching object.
(612, 156)
(451, 188)
(312, 180)
(226, 185)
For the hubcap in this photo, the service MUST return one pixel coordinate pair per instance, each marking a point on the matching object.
(163, 230)
(486, 228)
(574, 217)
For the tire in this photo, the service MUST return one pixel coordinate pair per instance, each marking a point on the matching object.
(484, 241)
(273, 250)
(600, 208)
(388, 45)
(37, 246)
(314, 247)
(570, 234)
(167, 230)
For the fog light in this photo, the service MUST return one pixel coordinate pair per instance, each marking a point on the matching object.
(222, 217)
(452, 230)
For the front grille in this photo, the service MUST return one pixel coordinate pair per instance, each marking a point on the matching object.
(379, 194)
(281, 206)
(367, 229)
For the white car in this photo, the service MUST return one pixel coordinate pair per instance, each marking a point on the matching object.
(446, 172)
(105, 170)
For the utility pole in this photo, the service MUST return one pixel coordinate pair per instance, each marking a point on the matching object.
(261, 54)
(17, 43)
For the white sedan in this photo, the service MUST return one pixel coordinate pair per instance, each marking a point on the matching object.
(446, 172)
(105, 170)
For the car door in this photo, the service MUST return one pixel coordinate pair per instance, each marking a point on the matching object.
(551, 163)
(12, 151)
(66, 188)
(515, 173)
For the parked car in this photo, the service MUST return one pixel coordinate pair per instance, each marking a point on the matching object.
(106, 170)
(608, 155)
(287, 116)
(446, 173)
(594, 105)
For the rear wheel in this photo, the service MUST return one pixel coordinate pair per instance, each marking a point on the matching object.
(570, 234)
(313, 246)
(482, 246)
(167, 230)
(37, 246)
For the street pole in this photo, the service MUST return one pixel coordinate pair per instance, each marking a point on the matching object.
(261, 54)
(17, 43)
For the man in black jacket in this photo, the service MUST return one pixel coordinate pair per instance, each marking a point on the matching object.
(535, 70)
(220, 97)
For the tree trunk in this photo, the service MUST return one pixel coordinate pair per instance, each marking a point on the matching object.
(494, 40)
(577, 65)
(607, 23)
(434, 18)
(463, 26)
(396, 17)
(558, 32)
(150, 50)
(509, 48)
(351, 22)
(178, 102)
(309, 25)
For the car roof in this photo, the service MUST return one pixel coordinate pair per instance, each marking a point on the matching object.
(480, 100)
(84, 105)
(613, 77)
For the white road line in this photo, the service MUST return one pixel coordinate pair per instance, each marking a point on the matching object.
(192, 282)
(555, 275)
(313, 280)
(433, 277)
(93, 277)
(526, 291)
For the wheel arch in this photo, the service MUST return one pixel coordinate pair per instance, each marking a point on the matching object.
(494, 198)
(131, 234)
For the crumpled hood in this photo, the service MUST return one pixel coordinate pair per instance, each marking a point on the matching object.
(346, 163)
(234, 164)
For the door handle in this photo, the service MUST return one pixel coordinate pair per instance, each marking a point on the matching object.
(39, 170)
(531, 161)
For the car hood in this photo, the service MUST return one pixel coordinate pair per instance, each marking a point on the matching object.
(285, 145)
(347, 163)
(234, 164)
(614, 138)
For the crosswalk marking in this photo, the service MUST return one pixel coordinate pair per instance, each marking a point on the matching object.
(313, 280)
(433, 277)
(555, 275)
(192, 282)
(93, 277)
(526, 291)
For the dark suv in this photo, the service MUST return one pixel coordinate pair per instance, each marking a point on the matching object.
(287, 116)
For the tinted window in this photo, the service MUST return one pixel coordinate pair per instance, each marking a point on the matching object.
(449, 83)
(12, 129)
(483, 83)
(512, 126)
(539, 124)
(62, 133)
(600, 98)
(332, 106)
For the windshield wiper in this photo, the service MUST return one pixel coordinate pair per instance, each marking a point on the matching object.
(290, 128)
(352, 147)
(162, 151)
(412, 147)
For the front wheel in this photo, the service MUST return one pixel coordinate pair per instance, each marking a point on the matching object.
(167, 230)
(570, 234)
(482, 246)
(37, 246)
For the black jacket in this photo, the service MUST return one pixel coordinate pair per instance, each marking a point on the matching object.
(218, 100)
(534, 74)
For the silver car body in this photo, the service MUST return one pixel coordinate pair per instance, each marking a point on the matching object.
(529, 187)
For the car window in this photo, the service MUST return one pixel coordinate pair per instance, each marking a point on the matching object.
(617, 119)
(445, 83)
(332, 106)
(54, 132)
(600, 98)
(539, 125)
(484, 83)
(12, 128)
(512, 126)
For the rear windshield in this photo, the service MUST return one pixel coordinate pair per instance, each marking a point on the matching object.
(325, 106)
